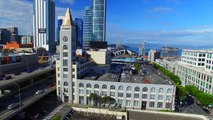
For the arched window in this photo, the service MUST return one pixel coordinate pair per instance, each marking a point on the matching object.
(81, 85)
(145, 89)
(65, 47)
(65, 83)
(120, 88)
(128, 88)
(96, 86)
(169, 90)
(160, 90)
(137, 89)
(88, 85)
(104, 86)
(112, 87)
(152, 90)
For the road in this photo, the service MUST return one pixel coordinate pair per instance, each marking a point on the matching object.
(6, 114)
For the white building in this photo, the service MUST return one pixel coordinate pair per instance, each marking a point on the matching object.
(44, 24)
(196, 68)
(72, 89)
(142, 49)
(101, 56)
(153, 54)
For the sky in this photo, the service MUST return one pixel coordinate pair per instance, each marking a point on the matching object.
(162, 22)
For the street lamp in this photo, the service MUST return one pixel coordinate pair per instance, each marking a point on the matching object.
(18, 93)
(27, 63)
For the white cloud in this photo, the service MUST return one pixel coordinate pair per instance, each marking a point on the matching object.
(161, 9)
(16, 13)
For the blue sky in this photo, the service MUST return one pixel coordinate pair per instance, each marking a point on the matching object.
(165, 22)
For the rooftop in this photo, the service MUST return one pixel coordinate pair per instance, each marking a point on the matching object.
(126, 73)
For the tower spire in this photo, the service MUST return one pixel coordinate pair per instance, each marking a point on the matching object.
(68, 19)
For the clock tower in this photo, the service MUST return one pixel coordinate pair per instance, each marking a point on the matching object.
(67, 57)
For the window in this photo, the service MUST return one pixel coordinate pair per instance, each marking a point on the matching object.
(65, 83)
(104, 87)
(65, 69)
(65, 47)
(120, 94)
(152, 97)
(128, 88)
(160, 97)
(112, 87)
(160, 90)
(145, 89)
(137, 89)
(88, 85)
(65, 75)
(81, 91)
(88, 92)
(81, 85)
(65, 63)
(168, 97)
(96, 86)
(58, 82)
(168, 105)
(128, 95)
(128, 103)
(136, 95)
(151, 104)
(112, 93)
(120, 101)
(120, 88)
(152, 90)
(169, 91)
(65, 54)
(159, 105)
(58, 74)
(144, 96)
(136, 103)
(104, 93)
(96, 92)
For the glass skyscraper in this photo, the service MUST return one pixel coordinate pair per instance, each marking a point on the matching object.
(79, 32)
(87, 26)
(99, 20)
(44, 24)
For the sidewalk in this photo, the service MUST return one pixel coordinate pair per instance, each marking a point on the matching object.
(48, 117)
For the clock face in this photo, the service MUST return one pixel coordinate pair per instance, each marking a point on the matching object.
(65, 38)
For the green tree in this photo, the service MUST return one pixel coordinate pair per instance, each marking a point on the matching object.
(181, 92)
(95, 98)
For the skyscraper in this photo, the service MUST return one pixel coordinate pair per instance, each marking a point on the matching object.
(142, 49)
(44, 24)
(87, 26)
(99, 20)
(79, 32)
(59, 23)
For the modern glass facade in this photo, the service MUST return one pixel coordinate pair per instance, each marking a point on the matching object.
(44, 24)
(99, 20)
(87, 26)
(79, 32)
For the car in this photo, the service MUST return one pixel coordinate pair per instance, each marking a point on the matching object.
(12, 106)
(39, 92)
(17, 73)
(8, 77)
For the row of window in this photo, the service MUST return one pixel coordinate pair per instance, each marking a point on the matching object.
(129, 88)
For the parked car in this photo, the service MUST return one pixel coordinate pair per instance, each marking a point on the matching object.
(39, 92)
(8, 77)
(12, 106)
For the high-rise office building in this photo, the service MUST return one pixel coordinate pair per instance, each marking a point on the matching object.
(142, 49)
(79, 32)
(87, 26)
(99, 20)
(44, 24)
(59, 23)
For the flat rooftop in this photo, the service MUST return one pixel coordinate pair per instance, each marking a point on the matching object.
(125, 73)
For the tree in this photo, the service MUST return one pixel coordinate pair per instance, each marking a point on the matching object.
(95, 98)
(42, 52)
(107, 100)
(181, 92)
